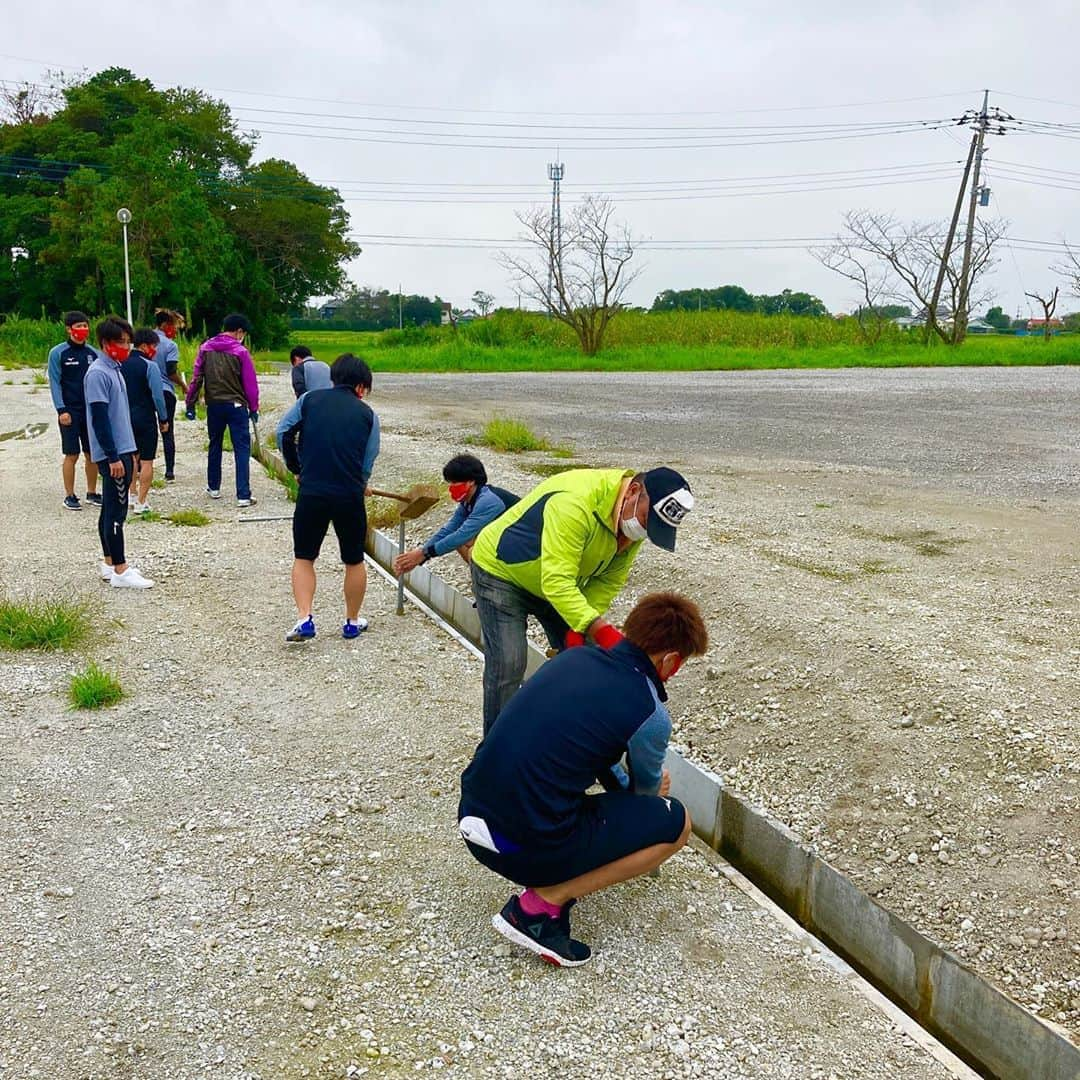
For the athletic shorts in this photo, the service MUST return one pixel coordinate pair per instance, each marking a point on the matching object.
(611, 826)
(75, 437)
(314, 514)
(146, 437)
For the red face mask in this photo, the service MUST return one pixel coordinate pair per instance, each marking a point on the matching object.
(117, 350)
(79, 334)
(458, 492)
(169, 331)
(149, 351)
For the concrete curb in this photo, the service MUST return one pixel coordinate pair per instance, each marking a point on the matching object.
(983, 1026)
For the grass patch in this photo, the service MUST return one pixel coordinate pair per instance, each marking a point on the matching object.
(43, 624)
(39, 380)
(509, 436)
(147, 518)
(195, 518)
(158, 484)
(93, 688)
(549, 468)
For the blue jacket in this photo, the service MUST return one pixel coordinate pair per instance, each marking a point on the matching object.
(568, 726)
(468, 519)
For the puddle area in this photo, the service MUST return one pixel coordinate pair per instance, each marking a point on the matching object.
(31, 431)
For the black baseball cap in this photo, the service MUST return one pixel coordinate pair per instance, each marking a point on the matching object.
(670, 500)
(236, 322)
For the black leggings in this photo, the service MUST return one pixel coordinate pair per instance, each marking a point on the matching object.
(114, 507)
(168, 438)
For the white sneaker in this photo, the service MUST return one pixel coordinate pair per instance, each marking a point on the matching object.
(246, 502)
(214, 493)
(106, 571)
(141, 508)
(130, 579)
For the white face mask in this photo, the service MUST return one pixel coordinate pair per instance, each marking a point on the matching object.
(630, 527)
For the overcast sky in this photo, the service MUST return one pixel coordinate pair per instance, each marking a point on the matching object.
(438, 120)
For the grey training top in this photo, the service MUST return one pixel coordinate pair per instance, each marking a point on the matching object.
(168, 354)
(104, 382)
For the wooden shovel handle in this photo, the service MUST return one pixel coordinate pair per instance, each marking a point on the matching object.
(390, 495)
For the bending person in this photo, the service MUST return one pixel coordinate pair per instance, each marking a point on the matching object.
(524, 811)
(562, 554)
(339, 441)
(478, 504)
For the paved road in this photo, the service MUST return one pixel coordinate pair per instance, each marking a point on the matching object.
(1012, 432)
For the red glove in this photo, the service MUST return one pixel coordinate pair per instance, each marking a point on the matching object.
(574, 638)
(607, 636)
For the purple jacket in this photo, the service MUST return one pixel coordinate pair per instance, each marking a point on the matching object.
(226, 371)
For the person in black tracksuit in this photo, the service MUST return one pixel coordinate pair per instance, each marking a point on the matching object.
(525, 812)
(68, 364)
(149, 411)
(338, 442)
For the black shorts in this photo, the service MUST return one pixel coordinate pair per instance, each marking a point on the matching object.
(314, 514)
(146, 437)
(611, 826)
(75, 437)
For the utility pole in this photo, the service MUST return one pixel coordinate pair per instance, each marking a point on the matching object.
(973, 202)
(555, 175)
(399, 305)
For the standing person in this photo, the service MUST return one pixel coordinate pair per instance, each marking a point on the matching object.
(112, 446)
(167, 359)
(524, 811)
(146, 403)
(68, 364)
(339, 441)
(224, 369)
(307, 372)
(562, 554)
(478, 504)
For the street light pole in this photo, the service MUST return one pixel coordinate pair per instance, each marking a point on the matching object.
(123, 215)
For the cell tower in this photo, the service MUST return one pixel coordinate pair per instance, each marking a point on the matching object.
(555, 175)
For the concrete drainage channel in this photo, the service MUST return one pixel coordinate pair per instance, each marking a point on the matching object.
(981, 1025)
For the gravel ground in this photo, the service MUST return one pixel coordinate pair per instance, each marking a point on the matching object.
(889, 565)
(249, 868)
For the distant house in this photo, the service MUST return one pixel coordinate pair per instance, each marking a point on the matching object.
(447, 316)
(329, 309)
(1040, 325)
(981, 326)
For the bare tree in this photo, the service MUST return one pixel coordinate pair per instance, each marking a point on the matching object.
(1070, 269)
(484, 301)
(1049, 303)
(30, 103)
(587, 262)
(868, 275)
(905, 258)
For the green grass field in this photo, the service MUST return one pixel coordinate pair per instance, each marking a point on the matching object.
(671, 341)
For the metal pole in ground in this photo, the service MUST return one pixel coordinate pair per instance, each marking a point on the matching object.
(123, 215)
(401, 577)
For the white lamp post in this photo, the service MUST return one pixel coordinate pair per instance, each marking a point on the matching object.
(123, 215)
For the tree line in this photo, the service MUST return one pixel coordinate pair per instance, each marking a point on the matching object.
(210, 231)
(736, 298)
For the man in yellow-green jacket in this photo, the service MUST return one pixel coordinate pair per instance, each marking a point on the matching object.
(562, 554)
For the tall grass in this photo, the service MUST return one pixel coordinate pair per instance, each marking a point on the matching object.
(43, 624)
(509, 436)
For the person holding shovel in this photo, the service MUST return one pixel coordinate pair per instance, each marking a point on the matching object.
(338, 443)
(225, 373)
(563, 554)
(478, 504)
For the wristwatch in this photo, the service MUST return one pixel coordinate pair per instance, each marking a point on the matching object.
(429, 552)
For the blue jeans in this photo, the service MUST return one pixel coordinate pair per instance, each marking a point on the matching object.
(504, 611)
(219, 416)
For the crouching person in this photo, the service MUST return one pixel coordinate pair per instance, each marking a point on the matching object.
(525, 812)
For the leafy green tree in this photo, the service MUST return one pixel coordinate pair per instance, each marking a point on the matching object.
(998, 319)
(209, 232)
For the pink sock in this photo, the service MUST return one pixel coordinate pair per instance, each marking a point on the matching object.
(532, 903)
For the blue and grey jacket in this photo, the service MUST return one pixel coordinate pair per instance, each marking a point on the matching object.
(468, 519)
(68, 365)
(569, 725)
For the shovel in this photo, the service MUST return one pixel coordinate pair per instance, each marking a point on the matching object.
(416, 503)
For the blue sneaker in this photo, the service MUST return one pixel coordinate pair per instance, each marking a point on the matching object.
(302, 631)
(354, 629)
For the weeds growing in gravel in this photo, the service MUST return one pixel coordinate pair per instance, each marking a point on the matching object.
(188, 517)
(93, 688)
(509, 436)
(43, 624)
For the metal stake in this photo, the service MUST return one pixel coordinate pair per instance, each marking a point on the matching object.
(401, 577)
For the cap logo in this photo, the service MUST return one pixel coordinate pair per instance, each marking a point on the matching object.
(672, 508)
